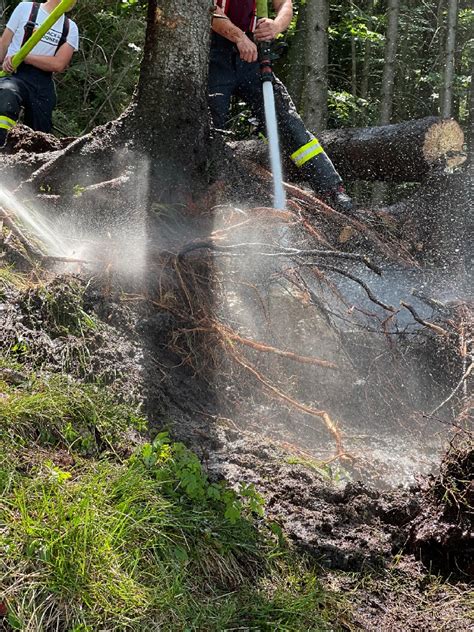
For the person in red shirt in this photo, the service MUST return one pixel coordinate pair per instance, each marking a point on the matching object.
(234, 70)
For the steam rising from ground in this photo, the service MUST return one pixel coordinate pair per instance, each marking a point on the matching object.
(384, 382)
(387, 378)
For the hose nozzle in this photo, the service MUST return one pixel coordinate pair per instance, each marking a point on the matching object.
(265, 59)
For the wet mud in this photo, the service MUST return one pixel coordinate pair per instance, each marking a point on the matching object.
(379, 547)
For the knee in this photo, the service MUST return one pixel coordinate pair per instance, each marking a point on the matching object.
(10, 101)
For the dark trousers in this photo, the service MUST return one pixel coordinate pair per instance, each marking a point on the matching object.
(229, 75)
(31, 89)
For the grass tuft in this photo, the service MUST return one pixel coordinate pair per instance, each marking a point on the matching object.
(93, 541)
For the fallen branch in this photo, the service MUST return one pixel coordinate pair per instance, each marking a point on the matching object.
(461, 382)
(53, 259)
(436, 328)
(22, 238)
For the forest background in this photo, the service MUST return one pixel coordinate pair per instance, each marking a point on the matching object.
(357, 63)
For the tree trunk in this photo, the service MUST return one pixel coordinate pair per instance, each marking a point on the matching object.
(354, 67)
(388, 79)
(364, 86)
(405, 152)
(294, 66)
(470, 129)
(316, 65)
(171, 118)
(449, 60)
(441, 32)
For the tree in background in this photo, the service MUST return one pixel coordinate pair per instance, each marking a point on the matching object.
(446, 105)
(388, 80)
(100, 84)
(316, 65)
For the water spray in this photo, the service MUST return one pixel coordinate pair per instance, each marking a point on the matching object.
(265, 58)
(33, 222)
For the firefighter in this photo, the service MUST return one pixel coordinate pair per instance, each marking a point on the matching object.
(31, 87)
(234, 70)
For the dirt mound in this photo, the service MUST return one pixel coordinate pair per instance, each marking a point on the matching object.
(441, 535)
(52, 326)
(22, 138)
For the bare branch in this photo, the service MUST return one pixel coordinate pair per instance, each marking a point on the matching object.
(436, 328)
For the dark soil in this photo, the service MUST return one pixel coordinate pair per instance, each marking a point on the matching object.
(442, 532)
(366, 542)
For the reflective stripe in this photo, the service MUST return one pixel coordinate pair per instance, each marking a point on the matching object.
(305, 153)
(6, 123)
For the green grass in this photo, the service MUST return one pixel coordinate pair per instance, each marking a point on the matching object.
(57, 410)
(10, 279)
(90, 540)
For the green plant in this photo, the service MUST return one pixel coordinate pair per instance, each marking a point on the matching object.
(58, 307)
(180, 471)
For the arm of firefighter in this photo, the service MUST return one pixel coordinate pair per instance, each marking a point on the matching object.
(268, 29)
(55, 63)
(224, 27)
(5, 41)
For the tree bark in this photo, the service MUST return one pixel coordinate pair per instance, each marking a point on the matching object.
(364, 86)
(294, 65)
(388, 80)
(354, 67)
(170, 118)
(405, 152)
(449, 60)
(316, 65)
(470, 132)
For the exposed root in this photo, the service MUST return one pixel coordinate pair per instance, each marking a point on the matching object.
(367, 289)
(55, 163)
(436, 328)
(259, 346)
(321, 414)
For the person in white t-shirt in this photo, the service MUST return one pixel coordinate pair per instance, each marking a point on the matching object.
(31, 87)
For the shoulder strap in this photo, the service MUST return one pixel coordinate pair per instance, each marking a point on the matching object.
(30, 25)
(64, 34)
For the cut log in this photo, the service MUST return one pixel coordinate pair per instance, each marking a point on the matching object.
(438, 220)
(404, 152)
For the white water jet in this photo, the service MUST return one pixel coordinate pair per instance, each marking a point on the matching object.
(32, 221)
(279, 197)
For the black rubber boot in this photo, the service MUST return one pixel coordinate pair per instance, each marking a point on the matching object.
(339, 200)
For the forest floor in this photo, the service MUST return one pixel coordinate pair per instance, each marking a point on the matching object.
(399, 559)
